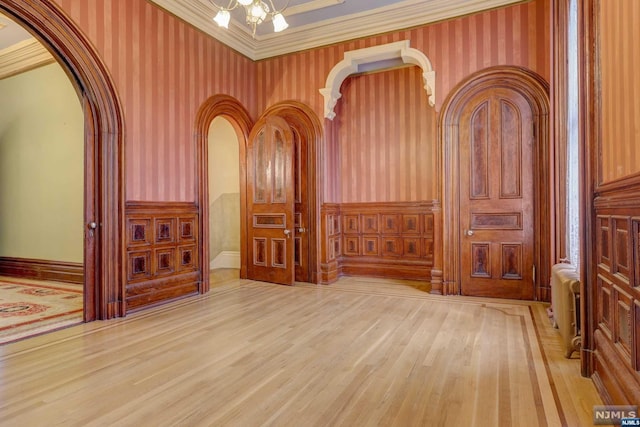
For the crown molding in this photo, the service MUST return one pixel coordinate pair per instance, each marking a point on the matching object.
(23, 56)
(311, 6)
(398, 16)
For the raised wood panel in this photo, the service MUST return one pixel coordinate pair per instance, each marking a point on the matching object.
(616, 296)
(370, 246)
(351, 224)
(260, 251)
(602, 242)
(604, 306)
(332, 246)
(369, 223)
(392, 246)
(139, 265)
(162, 252)
(479, 149)
(380, 239)
(480, 259)
(351, 245)
(411, 223)
(58, 271)
(620, 245)
(511, 151)
(623, 317)
(496, 221)
(139, 232)
(512, 261)
(390, 223)
(411, 247)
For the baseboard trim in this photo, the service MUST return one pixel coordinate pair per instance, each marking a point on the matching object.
(391, 270)
(226, 259)
(59, 271)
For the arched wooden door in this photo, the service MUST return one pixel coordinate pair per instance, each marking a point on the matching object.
(271, 202)
(495, 187)
(496, 148)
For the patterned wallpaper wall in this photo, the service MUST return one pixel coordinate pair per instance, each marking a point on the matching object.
(164, 69)
(620, 88)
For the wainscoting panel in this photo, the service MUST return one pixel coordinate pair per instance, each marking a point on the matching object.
(394, 240)
(59, 271)
(617, 295)
(162, 252)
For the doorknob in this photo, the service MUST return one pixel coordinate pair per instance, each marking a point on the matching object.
(287, 232)
(92, 226)
(468, 232)
(301, 230)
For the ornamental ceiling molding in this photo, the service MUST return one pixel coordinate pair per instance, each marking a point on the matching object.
(23, 56)
(373, 59)
(398, 16)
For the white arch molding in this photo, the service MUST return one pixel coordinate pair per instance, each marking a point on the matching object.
(372, 59)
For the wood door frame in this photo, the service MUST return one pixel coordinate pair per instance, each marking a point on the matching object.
(306, 122)
(104, 292)
(231, 109)
(536, 91)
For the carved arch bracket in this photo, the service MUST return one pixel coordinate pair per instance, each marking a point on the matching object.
(376, 58)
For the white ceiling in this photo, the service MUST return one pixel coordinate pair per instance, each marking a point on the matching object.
(314, 23)
(11, 33)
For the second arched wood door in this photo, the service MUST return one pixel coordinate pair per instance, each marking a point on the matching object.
(271, 202)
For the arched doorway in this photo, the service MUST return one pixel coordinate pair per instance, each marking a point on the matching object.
(466, 116)
(232, 110)
(104, 138)
(224, 198)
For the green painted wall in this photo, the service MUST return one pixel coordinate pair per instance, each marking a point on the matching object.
(41, 166)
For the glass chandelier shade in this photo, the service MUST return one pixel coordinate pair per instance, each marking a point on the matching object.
(257, 11)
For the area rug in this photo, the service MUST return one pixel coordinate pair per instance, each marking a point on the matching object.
(32, 307)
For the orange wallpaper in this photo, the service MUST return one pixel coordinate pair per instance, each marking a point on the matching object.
(386, 134)
(164, 70)
(620, 88)
(516, 35)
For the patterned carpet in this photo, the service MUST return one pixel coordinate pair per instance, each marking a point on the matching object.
(29, 307)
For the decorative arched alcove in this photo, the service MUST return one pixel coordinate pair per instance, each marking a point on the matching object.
(372, 59)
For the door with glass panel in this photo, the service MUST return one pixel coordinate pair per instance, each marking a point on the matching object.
(271, 199)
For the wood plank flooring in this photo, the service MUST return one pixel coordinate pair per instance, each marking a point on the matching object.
(357, 353)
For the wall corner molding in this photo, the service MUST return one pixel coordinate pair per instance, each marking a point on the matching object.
(22, 57)
(373, 59)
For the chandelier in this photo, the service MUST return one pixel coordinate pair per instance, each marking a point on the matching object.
(256, 10)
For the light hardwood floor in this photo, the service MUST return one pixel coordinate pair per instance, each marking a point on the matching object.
(356, 353)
